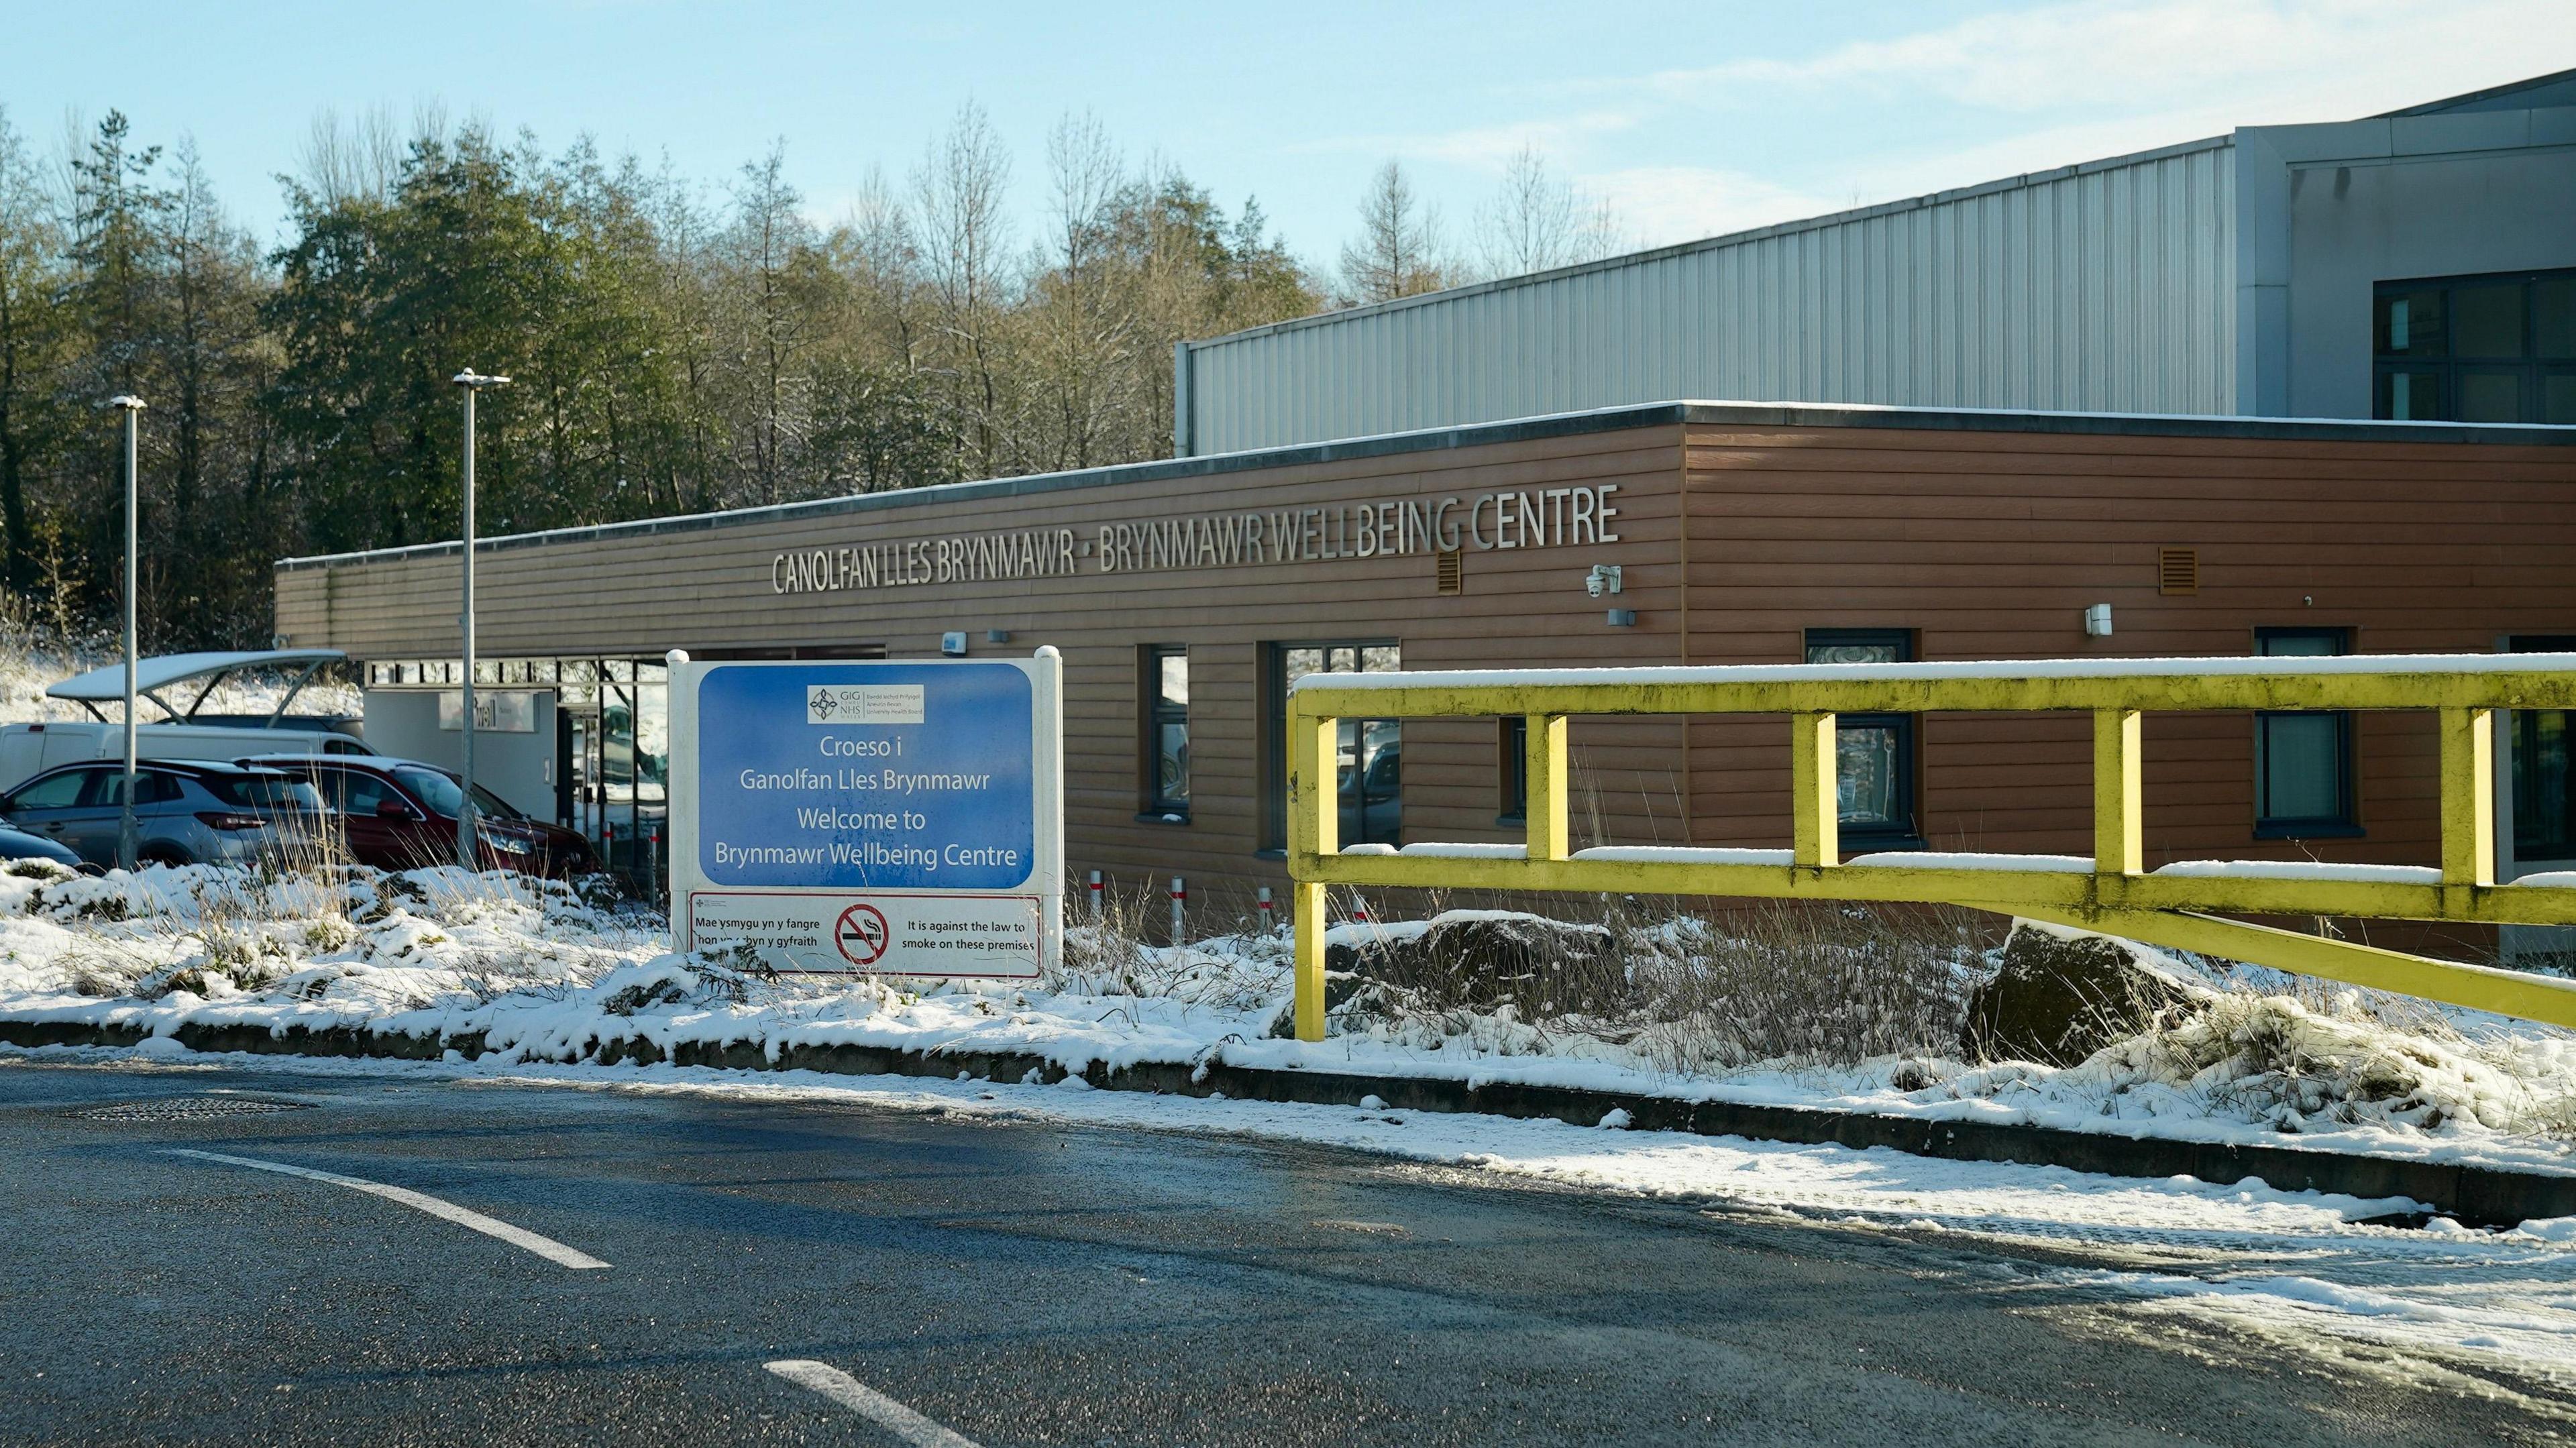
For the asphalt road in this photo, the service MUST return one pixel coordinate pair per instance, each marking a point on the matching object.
(1013, 1283)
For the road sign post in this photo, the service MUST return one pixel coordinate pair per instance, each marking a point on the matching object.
(902, 817)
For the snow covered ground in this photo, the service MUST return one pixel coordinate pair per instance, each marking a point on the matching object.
(545, 975)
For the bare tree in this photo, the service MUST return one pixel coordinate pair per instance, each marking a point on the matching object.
(1084, 297)
(771, 255)
(1084, 173)
(352, 158)
(877, 250)
(1397, 253)
(1534, 222)
(957, 197)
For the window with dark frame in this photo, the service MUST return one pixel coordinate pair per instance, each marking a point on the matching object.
(2494, 348)
(1369, 752)
(1514, 769)
(1167, 730)
(2303, 761)
(2544, 788)
(1874, 774)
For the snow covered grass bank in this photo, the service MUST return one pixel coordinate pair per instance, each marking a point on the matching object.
(540, 974)
(349, 945)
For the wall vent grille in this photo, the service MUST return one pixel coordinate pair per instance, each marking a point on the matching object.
(2177, 570)
(1452, 571)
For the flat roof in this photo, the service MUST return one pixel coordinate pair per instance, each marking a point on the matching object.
(1563, 424)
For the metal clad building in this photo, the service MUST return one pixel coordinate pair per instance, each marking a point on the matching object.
(2227, 276)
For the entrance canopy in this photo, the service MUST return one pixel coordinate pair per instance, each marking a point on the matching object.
(164, 671)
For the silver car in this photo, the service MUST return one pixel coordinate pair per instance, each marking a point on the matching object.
(185, 812)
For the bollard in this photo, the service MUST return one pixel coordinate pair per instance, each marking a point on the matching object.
(1269, 918)
(1180, 898)
(1098, 902)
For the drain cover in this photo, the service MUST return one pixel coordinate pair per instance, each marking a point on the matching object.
(187, 1108)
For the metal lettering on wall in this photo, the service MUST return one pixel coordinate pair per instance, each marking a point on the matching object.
(1528, 518)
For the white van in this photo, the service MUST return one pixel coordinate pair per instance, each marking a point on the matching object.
(27, 749)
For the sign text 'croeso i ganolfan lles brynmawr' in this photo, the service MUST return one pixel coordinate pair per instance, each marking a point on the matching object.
(1527, 518)
(898, 818)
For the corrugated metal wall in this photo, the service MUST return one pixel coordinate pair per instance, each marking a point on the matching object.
(2103, 288)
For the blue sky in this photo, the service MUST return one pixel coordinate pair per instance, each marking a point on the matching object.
(1688, 119)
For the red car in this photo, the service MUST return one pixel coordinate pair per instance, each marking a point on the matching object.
(397, 814)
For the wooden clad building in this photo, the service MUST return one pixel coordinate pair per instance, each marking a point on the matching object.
(1186, 594)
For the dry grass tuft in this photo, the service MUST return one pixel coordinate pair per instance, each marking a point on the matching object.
(1697, 986)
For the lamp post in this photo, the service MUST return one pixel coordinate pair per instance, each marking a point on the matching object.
(470, 382)
(132, 407)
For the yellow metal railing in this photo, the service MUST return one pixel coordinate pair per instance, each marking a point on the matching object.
(2180, 905)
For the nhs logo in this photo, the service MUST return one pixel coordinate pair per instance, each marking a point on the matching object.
(863, 703)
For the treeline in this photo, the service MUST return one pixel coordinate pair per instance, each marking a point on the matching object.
(673, 347)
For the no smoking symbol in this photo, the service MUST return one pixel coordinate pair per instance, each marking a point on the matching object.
(862, 934)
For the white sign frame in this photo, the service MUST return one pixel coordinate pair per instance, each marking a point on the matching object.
(1043, 889)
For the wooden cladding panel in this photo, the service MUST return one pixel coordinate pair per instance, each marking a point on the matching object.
(1991, 546)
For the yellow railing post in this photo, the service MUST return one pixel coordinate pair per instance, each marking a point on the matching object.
(1307, 899)
(1314, 832)
(1543, 786)
(1815, 827)
(2119, 794)
(2468, 797)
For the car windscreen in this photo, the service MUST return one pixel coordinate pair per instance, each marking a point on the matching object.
(262, 791)
(495, 806)
(441, 793)
(433, 789)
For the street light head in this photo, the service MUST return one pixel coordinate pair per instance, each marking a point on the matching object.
(476, 380)
(127, 402)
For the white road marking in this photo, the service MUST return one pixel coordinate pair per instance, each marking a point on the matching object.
(546, 1247)
(868, 1403)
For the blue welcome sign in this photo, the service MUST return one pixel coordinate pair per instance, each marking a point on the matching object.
(867, 776)
(900, 817)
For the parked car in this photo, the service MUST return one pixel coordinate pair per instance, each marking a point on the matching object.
(1371, 766)
(20, 845)
(186, 812)
(399, 814)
